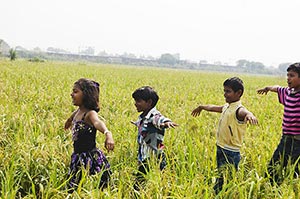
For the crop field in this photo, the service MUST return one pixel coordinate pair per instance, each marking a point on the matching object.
(35, 150)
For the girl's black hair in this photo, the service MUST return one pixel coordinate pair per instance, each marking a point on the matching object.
(294, 67)
(90, 90)
(235, 84)
(146, 93)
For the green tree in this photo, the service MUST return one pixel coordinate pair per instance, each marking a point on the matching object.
(242, 63)
(283, 66)
(12, 54)
(167, 58)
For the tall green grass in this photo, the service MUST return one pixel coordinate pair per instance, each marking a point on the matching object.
(35, 150)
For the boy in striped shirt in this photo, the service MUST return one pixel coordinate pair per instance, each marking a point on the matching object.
(288, 148)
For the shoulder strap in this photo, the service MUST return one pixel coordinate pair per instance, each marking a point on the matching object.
(83, 116)
(74, 114)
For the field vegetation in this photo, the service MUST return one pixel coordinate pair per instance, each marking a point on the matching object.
(35, 150)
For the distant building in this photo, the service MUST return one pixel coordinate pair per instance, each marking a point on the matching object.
(86, 50)
(20, 48)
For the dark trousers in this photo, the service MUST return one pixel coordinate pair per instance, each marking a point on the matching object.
(143, 169)
(104, 180)
(287, 151)
(226, 161)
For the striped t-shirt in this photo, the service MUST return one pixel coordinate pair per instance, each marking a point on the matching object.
(291, 115)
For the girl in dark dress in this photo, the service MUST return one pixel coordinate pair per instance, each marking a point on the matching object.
(85, 123)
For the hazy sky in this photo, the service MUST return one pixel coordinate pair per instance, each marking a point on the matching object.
(215, 30)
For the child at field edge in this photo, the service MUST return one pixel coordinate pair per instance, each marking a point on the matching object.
(232, 126)
(288, 149)
(85, 123)
(151, 129)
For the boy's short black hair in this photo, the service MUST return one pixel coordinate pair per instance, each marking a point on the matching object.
(294, 67)
(235, 84)
(146, 93)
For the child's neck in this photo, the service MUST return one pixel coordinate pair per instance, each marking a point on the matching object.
(82, 109)
(144, 113)
(234, 101)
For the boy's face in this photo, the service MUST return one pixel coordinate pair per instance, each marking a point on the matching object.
(230, 95)
(293, 80)
(142, 105)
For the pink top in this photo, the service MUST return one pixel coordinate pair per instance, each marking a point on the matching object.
(291, 115)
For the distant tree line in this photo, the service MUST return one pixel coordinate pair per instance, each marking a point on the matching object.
(165, 60)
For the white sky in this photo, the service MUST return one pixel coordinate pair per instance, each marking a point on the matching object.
(214, 30)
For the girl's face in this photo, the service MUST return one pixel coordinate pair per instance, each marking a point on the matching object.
(230, 95)
(77, 96)
(142, 105)
(293, 80)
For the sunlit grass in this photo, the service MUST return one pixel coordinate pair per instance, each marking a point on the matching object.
(35, 150)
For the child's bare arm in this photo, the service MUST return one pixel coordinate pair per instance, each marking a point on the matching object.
(68, 122)
(244, 115)
(100, 126)
(267, 89)
(211, 108)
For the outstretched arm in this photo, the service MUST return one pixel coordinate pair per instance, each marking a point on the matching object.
(100, 126)
(160, 122)
(211, 108)
(267, 89)
(168, 124)
(244, 115)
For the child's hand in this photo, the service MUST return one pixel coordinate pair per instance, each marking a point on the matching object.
(251, 119)
(133, 122)
(169, 125)
(263, 91)
(109, 141)
(196, 112)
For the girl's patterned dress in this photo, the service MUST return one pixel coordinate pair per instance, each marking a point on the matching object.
(86, 155)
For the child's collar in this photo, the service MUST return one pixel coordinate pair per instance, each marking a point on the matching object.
(147, 116)
(236, 102)
(293, 91)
